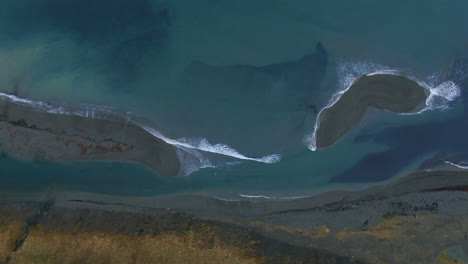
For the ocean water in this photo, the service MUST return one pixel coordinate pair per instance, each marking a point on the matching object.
(238, 85)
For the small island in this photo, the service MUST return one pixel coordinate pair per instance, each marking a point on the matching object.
(395, 93)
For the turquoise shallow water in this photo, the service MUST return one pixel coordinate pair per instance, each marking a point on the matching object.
(248, 74)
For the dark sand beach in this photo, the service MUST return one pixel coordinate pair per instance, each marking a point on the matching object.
(420, 218)
(395, 93)
(30, 133)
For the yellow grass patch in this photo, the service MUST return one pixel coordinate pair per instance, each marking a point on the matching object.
(9, 232)
(319, 232)
(101, 248)
(444, 258)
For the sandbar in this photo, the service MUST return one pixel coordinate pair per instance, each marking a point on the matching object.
(390, 92)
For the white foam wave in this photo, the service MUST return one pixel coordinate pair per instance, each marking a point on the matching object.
(271, 197)
(460, 166)
(191, 160)
(225, 199)
(311, 141)
(441, 92)
(85, 110)
(188, 149)
(203, 144)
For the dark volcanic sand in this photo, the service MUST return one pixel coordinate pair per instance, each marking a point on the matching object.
(29, 133)
(382, 91)
(412, 220)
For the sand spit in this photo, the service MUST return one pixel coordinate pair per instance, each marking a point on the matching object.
(90, 122)
(32, 133)
(382, 91)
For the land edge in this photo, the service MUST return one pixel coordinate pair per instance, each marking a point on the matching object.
(419, 194)
(418, 106)
(29, 133)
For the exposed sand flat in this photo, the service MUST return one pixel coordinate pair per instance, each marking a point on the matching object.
(382, 91)
(30, 133)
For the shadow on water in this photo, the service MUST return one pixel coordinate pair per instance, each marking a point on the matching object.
(122, 32)
(274, 104)
(285, 86)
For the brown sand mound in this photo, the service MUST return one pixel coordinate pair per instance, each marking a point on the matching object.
(382, 91)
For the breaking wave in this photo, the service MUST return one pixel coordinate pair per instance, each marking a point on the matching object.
(189, 150)
(272, 197)
(441, 91)
(239, 197)
(460, 165)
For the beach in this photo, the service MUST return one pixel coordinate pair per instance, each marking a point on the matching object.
(303, 230)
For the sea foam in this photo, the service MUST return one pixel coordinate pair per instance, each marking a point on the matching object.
(461, 165)
(440, 90)
(240, 197)
(272, 197)
(188, 150)
(193, 147)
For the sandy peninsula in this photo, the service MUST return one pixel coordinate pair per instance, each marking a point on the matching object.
(395, 93)
(29, 132)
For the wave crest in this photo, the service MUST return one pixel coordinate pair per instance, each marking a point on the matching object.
(189, 150)
(460, 165)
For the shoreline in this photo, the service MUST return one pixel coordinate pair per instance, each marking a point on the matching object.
(30, 133)
(90, 132)
(440, 89)
(427, 204)
(240, 195)
(444, 176)
(395, 93)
